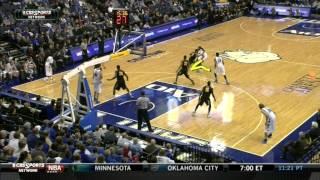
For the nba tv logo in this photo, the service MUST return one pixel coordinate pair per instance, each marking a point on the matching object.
(54, 168)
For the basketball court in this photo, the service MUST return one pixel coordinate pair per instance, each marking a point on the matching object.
(289, 84)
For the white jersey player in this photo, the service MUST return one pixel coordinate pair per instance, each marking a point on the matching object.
(219, 68)
(97, 82)
(270, 121)
(49, 68)
(202, 55)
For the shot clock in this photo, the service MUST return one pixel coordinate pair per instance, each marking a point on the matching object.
(120, 17)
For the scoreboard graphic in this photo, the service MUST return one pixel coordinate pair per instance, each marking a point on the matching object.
(204, 171)
(36, 14)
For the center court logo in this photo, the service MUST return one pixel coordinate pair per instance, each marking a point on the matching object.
(250, 56)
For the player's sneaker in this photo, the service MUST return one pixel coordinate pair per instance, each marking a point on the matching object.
(193, 113)
(216, 81)
(227, 83)
(265, 141)
(175, 82)
(208, 116)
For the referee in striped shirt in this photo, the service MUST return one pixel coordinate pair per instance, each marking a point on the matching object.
(142, 106)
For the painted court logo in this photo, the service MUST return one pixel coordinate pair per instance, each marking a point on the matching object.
(164, 97)
(304, 84)
(250, 56)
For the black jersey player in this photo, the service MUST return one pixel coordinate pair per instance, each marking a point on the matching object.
(183, 70)
(204, 97)
(120, 83)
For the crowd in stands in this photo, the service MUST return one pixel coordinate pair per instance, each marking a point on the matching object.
(53, 143)
(83, 22)
(301, 3)
(15, 113)
(296, 149)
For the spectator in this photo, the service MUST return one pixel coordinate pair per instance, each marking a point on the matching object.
(30, 68)
(163, 159)
(25, 110)
(76, 158)
(305, 139)
(24, 157)
(135, 147)
(136, 27)
(3, 139)
(14, 142)
(146, 25)
(169, 151)
(151, 148)
(47, 139)
(7, 155)
(314, 133)
(37, 151)
(123, 140)
(66, 157)
(100, 159)
(22, 146)
(51, 157)
(126, 152)
(33, 138)
(110, 137)
(296, 149)
(85, 158)
(38, 159)
(99, 132)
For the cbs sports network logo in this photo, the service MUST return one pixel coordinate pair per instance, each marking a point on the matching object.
(38, 167)
(36, 14)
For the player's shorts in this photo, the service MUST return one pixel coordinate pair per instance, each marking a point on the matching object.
(207, 101)
(269, 129)
(97, 87)
(220, 70)
(120, 85)
(185, 73)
